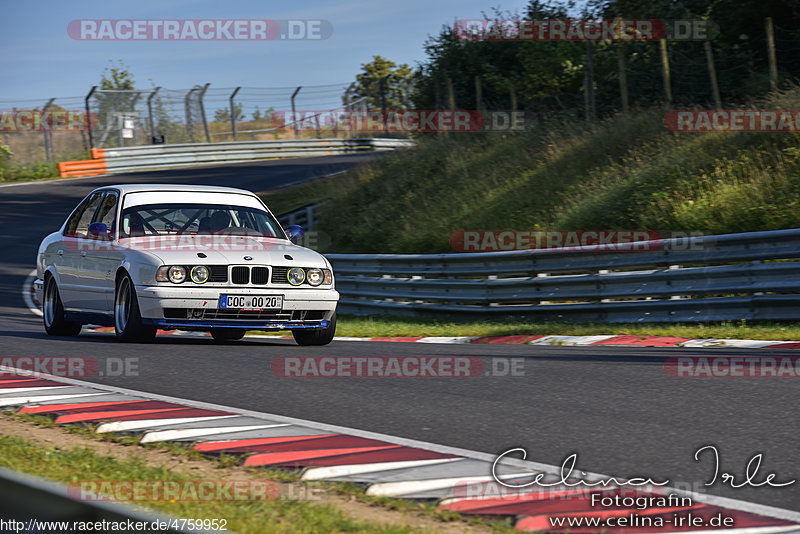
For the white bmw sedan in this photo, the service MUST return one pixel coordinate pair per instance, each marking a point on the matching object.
(147, 257)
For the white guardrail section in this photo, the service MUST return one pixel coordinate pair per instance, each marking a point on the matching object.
(709, 278)
(166, 156)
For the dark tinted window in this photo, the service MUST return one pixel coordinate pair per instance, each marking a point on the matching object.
(108, 209)
(79, 221)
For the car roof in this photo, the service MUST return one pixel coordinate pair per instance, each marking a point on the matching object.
(140, 188)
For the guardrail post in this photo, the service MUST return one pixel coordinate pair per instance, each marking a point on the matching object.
(150, 112)
(203, 111)
(47, 139)
(294, 114)
(233, 112)
(88, 116)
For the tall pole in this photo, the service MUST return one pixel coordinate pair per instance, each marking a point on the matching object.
(47, 139)
(294, 113)
(591, 109)
(233, 112)
(712, 74)
(150, 113)
(773, 62)
(89, 117)
(382, 87)
(203, 112)
(623, 80)
(665, 72)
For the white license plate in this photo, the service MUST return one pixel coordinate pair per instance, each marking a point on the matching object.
(250, 302)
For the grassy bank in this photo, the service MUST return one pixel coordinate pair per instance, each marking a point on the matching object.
(379, 326)
(73, 464)
(627, 172)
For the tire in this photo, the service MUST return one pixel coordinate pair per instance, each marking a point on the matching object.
(227, 334)
(127, 318)
(316, 336)
(53, 312)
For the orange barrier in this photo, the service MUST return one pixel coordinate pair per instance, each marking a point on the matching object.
(87, 167)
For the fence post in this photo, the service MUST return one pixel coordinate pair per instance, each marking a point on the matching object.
(712, 74)
(47, 139)
(203, 111)
(294, 114)
(233, 112)
(623, 80)
(88, 116)
(773, 62)
(188, 112)
(150, 113)
(665, 71)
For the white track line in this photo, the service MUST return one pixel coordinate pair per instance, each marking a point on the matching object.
(123, 426)
(322, 473)
(724, 502)
(182, 433)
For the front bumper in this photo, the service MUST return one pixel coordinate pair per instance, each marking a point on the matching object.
(196, 308)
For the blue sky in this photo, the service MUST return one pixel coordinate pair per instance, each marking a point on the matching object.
(39, 60)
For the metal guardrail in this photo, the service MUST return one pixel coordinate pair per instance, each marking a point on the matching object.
(709, 278)
(38, 505)
(126, 159)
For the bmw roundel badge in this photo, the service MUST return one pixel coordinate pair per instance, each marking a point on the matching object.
(248, 258)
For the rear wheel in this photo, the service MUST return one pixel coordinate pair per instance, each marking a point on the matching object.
(53, 312)
(316, 336)
(227, 334)
(127, 318)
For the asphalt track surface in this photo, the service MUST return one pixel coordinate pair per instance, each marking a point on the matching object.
(615, 407)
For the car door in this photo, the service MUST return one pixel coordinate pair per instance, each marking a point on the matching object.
(72, 284)
(101, 259)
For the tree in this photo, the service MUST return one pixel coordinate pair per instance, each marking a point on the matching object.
(224, 114)
(108, 104)
(380, 73)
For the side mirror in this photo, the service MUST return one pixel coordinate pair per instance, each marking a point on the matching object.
(99, 230)
(293, 232)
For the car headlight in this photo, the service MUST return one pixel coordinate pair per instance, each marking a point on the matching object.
(296, 276)
(315, 276)
(199, 274)
(176, 274)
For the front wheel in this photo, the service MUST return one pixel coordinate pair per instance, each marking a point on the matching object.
(316, 336)
(127, 318)
(53, 312)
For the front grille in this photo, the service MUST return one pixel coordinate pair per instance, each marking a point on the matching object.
(279, 275)
(266, 315)
(259, 276)
(240, 275)
(218, 273)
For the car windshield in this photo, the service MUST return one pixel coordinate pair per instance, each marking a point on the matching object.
(164, 219)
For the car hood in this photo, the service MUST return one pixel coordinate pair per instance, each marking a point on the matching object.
(243, 250)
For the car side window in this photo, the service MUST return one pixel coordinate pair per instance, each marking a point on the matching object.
(84, 220)
(72, 223)
(107, 212)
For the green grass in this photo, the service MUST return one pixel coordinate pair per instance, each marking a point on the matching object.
(70, 465)
(379, 326)
(627, 172)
